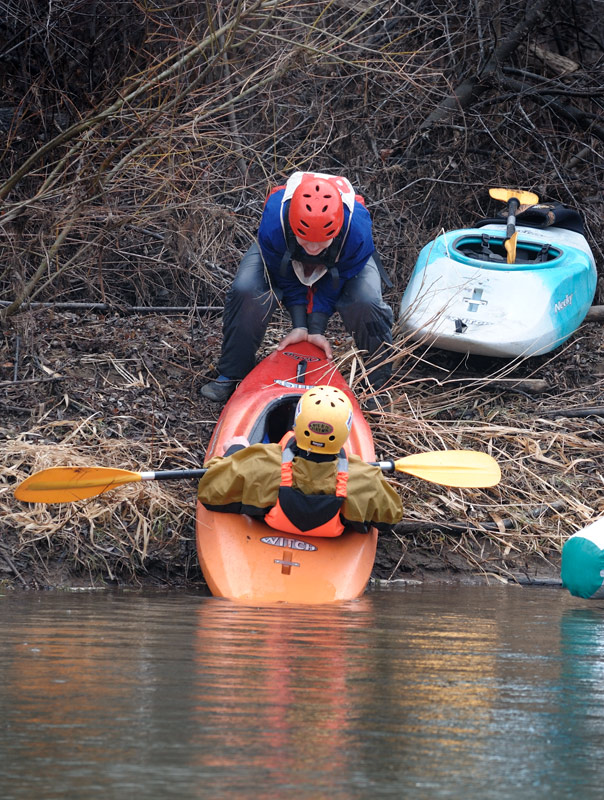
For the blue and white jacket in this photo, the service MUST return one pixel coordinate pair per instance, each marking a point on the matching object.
(344, 259)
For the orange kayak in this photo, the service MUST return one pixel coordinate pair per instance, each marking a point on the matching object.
(244, 559)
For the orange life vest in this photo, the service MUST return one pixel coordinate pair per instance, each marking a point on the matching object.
(307, 514)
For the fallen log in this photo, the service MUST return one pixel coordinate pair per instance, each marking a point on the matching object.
(531, 385)
(595, 314)
(418, 526)
(589, 411)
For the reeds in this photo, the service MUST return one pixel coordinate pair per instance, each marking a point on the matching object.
(111, 538)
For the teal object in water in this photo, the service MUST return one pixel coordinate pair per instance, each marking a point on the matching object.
(583, 562)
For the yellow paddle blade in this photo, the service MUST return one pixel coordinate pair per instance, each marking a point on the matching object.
(463, 468)
(524, 198)
(510, 247)
(66, 484)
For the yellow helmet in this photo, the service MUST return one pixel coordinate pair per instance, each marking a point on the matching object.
(323, 419)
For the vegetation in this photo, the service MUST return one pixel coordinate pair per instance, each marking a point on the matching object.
(140, 141)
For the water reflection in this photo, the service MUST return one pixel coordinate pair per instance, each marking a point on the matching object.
(286, 676)
(580, 691)
(454, 692)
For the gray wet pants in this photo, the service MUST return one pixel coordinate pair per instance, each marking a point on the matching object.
(251, 302)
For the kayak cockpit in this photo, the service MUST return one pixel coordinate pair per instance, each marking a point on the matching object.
(490, 250)
(275, 420)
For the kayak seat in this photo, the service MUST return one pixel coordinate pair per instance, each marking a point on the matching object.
(275, 421)
(491, 249)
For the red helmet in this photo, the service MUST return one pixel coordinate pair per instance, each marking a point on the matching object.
(316, 211)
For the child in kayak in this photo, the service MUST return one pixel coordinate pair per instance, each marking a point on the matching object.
(306, 484)
(314, 254)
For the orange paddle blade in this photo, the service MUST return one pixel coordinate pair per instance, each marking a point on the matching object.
(66, 484)
(461, 468)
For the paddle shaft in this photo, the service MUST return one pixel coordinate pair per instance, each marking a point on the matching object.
(172, 474)
(385, 466)
(512, 209)
(179, 474)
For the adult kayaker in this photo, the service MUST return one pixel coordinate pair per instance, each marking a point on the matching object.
(305, 485)
(314, 254)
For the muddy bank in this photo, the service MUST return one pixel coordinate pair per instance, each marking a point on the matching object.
(119, 390)
(395, 565)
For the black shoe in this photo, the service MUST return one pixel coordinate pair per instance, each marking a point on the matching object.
(218, 391)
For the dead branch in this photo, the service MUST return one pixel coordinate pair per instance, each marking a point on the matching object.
(42, 268)
(587, 122)
(469, 88)
(141, 87)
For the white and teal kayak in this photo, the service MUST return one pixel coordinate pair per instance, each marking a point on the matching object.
(464, 296)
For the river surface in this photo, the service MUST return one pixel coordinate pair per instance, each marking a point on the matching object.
(419, 692)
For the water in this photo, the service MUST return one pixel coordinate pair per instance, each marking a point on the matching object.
(444, 692)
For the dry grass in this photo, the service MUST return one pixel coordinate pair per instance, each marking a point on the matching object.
(552, 467)
(114, 535)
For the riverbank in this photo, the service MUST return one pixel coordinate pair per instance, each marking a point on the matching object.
(118, 390)
(47, 569)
